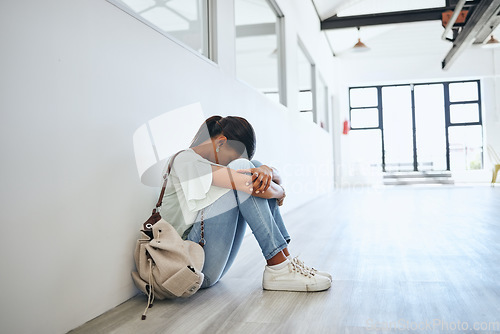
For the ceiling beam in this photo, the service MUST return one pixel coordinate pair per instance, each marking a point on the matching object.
(424, 14)
(451, 3)
(428, 14)
(488, 29)
(484, 12)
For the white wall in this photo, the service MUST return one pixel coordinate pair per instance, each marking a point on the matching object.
(78, 78)
(422, 65)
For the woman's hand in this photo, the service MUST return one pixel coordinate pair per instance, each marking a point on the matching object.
(242, 181)
(262, 177)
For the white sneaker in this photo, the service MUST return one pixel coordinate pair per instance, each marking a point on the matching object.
(293, 278)
(301, 264)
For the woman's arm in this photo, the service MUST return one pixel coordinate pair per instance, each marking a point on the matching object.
(262, 177)
(221, 177)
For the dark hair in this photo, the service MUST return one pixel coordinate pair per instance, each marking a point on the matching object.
(239, 133)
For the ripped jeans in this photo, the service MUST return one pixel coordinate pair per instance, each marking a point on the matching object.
(225, 223)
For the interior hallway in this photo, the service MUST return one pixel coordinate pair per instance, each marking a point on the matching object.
(400, 255)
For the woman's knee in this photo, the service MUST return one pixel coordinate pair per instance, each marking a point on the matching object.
(257, 163)
(241, 164)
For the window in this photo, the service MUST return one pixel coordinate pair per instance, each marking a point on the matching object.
(188, 22)
(463, 91)
(258, 46)
(398, 124)
(367, 145)
(423, 127)
(430, 127)
(465, 132)
(466, 147)
(363, 97)
(306, 78)
(364, 118)
(464, 113)
(364, 111)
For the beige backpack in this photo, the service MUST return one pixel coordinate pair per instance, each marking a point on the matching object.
(167, 266)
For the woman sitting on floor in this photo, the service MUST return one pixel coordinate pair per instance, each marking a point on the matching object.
(215, 181)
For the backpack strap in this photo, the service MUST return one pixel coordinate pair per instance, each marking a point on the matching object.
(155, 215)
(165, 178)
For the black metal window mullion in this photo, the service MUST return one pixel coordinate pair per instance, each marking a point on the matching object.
(480, 119)
(479, 104)
(464, 102)
(414, 127)
(381, 124)
(447, 123)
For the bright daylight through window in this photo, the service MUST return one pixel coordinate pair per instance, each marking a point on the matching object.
(258, 46)
(306, 78)
(185, 21)
(418, 127)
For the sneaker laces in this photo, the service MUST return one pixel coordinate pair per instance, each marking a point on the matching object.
(302, 265)
(300, 269)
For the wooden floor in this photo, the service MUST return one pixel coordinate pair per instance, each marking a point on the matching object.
(418, 259)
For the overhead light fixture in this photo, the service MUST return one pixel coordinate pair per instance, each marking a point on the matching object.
(360, 46)
(492, 43)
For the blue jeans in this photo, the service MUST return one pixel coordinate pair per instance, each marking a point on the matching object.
(225, 223)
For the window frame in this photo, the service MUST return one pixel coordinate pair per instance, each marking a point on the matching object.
(281, 59)
(281, 45)
(378, 107)
(209, 33)
(447, 115)
(302, 48)
(326, 112)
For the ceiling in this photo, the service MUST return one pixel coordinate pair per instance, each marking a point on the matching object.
(328, 8)
(393, 39)
(387, 39)
(390, 40)
(256, 18)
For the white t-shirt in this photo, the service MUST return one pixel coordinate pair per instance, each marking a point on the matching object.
(189, 189)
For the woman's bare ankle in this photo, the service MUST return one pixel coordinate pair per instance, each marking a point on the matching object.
(285, 251)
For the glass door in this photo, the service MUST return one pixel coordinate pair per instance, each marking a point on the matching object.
(430, 127)
(398, 128)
